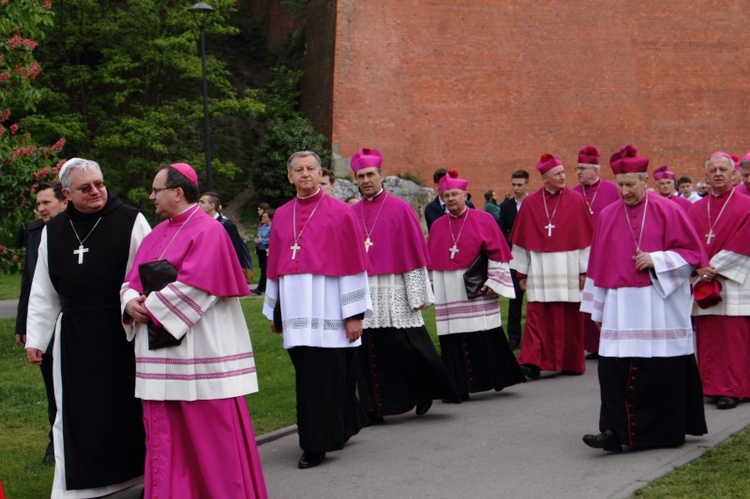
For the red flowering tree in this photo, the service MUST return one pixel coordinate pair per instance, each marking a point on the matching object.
(23, 163)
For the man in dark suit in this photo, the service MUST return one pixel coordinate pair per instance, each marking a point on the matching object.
(519, 181)
(211, 204)
(50, 201)
(435, 208)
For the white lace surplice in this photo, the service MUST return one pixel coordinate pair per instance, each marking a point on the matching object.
(395, 296)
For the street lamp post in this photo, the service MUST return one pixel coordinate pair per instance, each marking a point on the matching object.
(200, 12)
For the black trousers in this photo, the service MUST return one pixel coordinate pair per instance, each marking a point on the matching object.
(262, 261)
(515, 308)
(328, 412)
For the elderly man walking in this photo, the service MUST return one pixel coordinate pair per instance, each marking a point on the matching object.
(551, 239)
(598, 193)
(638, 290)
(722, 219)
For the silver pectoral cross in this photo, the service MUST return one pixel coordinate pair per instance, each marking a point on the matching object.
(453, 250)
(710, 236)
(368, 243)
(549, 228)
(80, 251)
(294, 249)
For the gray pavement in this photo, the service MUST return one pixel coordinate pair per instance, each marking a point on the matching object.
(522, 442)
(8, 309)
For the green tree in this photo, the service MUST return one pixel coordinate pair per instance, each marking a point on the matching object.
(22, 162)
(286, 131)
(123, 79)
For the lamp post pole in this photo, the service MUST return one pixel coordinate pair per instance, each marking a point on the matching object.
(202, 10)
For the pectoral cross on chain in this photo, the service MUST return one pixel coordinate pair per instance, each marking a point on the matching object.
(294, 249)
(549, 228)
(710, 236)
(368, 243)
(453, 250)
(80, 251)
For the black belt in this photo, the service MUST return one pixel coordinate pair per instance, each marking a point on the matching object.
(88, 303)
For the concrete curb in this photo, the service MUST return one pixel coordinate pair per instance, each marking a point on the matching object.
(275, 435)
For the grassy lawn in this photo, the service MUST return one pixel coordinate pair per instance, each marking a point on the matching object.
(723, 472)
(10, 286)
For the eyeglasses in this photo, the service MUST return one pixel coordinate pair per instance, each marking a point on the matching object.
(99, 185)
(157, 190)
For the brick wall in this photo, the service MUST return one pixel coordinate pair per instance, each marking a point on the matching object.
(320, 51)
(487, 86)
(276, 23)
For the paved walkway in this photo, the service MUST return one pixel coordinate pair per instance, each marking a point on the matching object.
(522, 442)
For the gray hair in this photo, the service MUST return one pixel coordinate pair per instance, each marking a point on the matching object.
(76, 164)
(302, 154)
(718, 156)
(642, 175)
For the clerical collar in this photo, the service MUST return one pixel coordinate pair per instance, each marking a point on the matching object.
(725, 193)
(376, 195)
(303, 198)
(592, 184)
(553, 193)
(460, 214)
(643, 198)
(178, 219)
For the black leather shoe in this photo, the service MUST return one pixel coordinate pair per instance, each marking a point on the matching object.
(311, 459)
(727, 403)
(606, 440)
(423, 407)
(592, 356)
(530, 371)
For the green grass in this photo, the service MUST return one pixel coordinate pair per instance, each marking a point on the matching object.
(722, 472)
(10, 286)
(23, 421)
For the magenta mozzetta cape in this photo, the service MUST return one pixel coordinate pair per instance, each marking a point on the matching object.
(732, 230)
(572, 221)
(398, 244)
(603, 192)
(667, 228)
(201, 251)
(330, 244)
(480, 233)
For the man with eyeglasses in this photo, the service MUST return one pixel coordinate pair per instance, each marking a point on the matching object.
(598, 194)
(84, 254)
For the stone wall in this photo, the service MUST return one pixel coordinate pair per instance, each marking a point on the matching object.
(416, 195)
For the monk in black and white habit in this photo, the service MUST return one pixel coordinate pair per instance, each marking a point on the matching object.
(83, 257)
